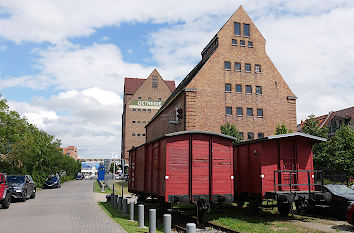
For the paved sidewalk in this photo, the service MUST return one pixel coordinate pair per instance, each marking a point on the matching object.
(72, 208)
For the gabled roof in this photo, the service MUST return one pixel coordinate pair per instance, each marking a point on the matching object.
(131, 85)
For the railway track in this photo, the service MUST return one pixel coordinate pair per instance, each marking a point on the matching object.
(180, 220)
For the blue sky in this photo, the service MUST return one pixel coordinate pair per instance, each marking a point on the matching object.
(62, 63)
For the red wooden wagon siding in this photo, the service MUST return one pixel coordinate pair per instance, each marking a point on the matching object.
(257, 160)
(184, 167)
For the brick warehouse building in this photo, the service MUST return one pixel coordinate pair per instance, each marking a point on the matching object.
(142, 99)
(235, 82)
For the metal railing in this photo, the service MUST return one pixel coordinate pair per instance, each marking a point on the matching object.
(278, 176)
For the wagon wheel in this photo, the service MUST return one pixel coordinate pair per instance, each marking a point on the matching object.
(302, 205)
(284, 208)
(240, 203)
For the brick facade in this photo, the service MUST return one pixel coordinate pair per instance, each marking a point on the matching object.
(135, 116)
(71, 151)
(203, 95)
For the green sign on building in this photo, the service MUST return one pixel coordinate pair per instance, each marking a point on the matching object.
(147, 104)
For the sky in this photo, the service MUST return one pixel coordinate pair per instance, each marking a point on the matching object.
(63, 62)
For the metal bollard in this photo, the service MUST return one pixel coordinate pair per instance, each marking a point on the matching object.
(131, 212)
(152, 221)
(125, 206)
(102, 187)
(120, 203)
(140, 215)
(115, 200)
(191, 228)
(167, 220)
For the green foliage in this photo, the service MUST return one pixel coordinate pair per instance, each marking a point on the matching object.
(281, 129)
(231, 130)
(338, 152)
(25, 149)
(311, 127)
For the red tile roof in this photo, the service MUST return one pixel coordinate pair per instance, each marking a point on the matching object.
(325, 119)
(131, 85)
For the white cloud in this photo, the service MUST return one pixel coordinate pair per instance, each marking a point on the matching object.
(90, 120)
(34, 82)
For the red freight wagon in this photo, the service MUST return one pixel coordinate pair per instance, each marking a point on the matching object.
(278, 167)
(188, 166)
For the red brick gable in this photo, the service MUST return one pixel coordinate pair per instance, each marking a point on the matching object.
(131, 85)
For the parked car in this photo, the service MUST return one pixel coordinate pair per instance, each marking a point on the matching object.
(350, 214)
(341, 199)
(23, 187)
(5, 192)
(79, 177)
(52, 182)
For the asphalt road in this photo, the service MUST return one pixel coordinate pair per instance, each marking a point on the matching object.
(72, 208)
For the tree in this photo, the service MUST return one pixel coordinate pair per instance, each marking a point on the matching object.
(338, 152)
(281, 129)
(231, 130)
(311, 127)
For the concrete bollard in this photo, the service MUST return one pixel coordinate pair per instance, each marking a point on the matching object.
(191, 228)
(167, 220)
(102, 186)
(120, 203)
(125, 206)
(131, 211)
(152, 221)
(140, 215)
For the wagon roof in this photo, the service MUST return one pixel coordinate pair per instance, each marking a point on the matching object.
(187, 132)
(298, 134)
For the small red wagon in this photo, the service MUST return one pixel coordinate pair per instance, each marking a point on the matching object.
(278, 167)
(184, 167)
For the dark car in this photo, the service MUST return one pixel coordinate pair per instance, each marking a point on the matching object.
(52, 182)
(341, 198)
(350, 214)
(79, 177)
(22, 186)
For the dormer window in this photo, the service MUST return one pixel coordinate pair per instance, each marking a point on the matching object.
(246, 30)
(237, 29)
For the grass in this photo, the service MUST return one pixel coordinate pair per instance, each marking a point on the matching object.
(264, 221)
(117, 188)
(124, 222)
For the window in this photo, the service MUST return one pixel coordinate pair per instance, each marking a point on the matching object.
(149, 110)
(138, 134)
(139, 98)
(259, 112)
(242, 43)
(227, 65)
(239, 111)
(138, 122)
(154, 82)
(134, 110)
(238, 88)
(237, 66)
(133, 122)
(133, 134)
(139, 110)
(246, 30)
(234, 42)
(248, 89)
(144, 110)
(228, 110)
(248, 67)
(143, 134)
(241, 135)
(159, 99)
(257, 68)
(260, 135)
(249, 112)
(258, 90)
(237, 29)
(250, 44)
(149, 98)
(227, 87)
(144, 122)
(250, 136)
